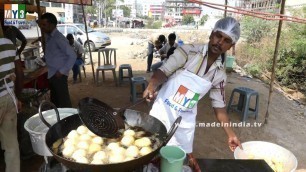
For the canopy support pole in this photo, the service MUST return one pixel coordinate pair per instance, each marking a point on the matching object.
(39, 16)
(89, 48)
(274, 59)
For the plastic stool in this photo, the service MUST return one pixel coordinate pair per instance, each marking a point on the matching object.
(134, 82)
(243, 106)
(121, 76)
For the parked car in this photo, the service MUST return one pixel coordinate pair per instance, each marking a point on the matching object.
(96, 39)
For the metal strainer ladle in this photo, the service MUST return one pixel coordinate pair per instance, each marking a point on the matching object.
(100, 118)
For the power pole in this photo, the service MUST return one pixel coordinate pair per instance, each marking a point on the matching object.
(116, 14)
(225, 12)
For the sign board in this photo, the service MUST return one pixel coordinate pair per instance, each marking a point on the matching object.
(14, 14)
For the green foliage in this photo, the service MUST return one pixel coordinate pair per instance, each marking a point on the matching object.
(291, 70)
(187, 19)
(203, 19)
(151, 24)
(92, 10)
(157, 24)
(256, 52)
(126, 11)
(254, 70)
(109, 11)
(254, 29)
(107, 5)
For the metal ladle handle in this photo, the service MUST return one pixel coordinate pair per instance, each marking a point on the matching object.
(41, 115)
(128, 106)
(172, 130)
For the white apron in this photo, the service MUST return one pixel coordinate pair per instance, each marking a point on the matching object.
(179, 97)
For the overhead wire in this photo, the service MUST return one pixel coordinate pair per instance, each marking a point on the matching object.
(262, 15)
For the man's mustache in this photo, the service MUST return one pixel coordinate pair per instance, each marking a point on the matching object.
(217, 46)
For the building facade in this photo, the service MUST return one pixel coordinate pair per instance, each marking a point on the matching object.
(259, 5)
(65, 13)
(153, 9)
(176, 9)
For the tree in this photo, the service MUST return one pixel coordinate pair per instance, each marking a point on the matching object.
(92, 10)
(203, 19)
(188, 19)
(254, 29)
(107, 6)
(126, 11)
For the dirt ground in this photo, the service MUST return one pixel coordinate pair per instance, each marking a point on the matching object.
(286, 125)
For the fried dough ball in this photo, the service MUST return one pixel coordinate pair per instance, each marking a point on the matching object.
(127, 140)
(93, 147)
(82, 159)
(97, 161)
(91, 133)
(70, 142)
(82, 129)
(132, 151)
(101, 155)
(78, 153)
(97, 140)
(116, 158)
(145, 150)
(113, 145)
(83, 145)
(129, 158)
(85, 137)
(143, 142)
(73, 134)
(129, 132)
(68, 151)
(118, 151)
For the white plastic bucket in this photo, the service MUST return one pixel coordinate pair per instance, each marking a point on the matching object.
(38, 130)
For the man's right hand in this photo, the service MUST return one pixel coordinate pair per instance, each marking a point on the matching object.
(156, 80)
(149, 94)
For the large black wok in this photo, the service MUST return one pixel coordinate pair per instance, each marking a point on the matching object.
(147, 122)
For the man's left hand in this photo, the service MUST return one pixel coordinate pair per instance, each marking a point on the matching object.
(233, 142)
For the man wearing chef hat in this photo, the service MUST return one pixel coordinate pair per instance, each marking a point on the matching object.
(189, 73)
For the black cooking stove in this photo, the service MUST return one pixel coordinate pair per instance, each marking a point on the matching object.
(206, 165)
(55, 166)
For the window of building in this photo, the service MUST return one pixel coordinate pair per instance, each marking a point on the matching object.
(56, 4)
(44, 4)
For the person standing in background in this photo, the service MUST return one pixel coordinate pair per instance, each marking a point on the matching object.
(164, 51)
(60, 57)
(10, 72)
(79, 50)
(155, 41)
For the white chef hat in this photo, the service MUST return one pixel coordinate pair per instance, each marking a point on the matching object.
(229, 26)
